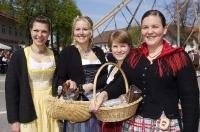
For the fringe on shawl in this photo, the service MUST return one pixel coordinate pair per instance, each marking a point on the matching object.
(175, 62)
(175, 58)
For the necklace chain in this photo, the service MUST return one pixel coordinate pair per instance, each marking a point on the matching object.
(86, 53)
(156, 55)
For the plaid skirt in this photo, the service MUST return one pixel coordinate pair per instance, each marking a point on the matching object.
(140, 124)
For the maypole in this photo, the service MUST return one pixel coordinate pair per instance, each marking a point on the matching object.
(178, 23)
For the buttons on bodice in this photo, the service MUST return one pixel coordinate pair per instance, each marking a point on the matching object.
(144, 83)
(143, 75)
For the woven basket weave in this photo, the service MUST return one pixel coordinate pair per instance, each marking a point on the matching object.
(74, 111)
(119, 112)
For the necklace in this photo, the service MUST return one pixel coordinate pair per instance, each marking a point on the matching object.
(38, 51)
(86, 53)
(155, 54)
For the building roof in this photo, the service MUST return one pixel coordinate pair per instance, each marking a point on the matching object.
(172, 31)
(104, 36)
(2, 14)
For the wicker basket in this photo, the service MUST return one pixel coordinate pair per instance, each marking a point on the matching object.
(74, 111)
(119, 112)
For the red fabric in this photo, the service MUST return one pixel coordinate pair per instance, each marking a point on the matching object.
(134, 56)
(167, 49)
(111, 127)
(174, 57)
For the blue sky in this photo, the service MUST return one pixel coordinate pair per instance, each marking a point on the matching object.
(96, 9)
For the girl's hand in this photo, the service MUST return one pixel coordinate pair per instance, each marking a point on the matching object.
(95, 104)
(15, 127)
(88, 87)
(71, 85)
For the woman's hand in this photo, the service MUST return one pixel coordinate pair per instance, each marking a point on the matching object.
(95, 104)
(15, 127)
(71, 85)
(88, 87)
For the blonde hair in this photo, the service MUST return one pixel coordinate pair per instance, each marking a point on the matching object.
(85, 19)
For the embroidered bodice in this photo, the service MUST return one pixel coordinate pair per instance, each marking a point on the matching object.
(40, 73)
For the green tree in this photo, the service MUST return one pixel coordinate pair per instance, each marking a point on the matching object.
(61, 13)
(63, 20)
(135, 35)
(5, 7)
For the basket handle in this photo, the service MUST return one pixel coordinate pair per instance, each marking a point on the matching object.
(100, 69)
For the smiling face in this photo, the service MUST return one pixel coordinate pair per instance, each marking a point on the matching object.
(120, 43)
(82, 32)
(120, 50)
(39, 33)
(153, 30)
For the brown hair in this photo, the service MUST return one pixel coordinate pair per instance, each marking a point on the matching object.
(41, 19)
(119, 36)
(155, 13)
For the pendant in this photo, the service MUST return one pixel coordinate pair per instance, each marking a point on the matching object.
(164, 122)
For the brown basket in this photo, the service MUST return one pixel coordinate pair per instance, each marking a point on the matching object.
(74, 111)
(119, 112)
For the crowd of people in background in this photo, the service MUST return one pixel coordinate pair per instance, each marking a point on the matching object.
(5, 56)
